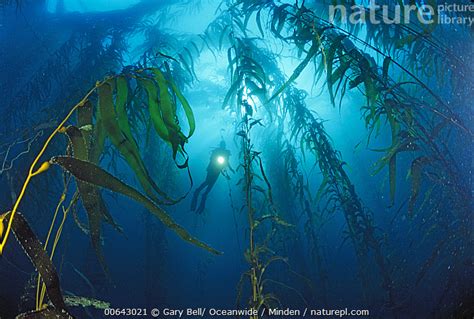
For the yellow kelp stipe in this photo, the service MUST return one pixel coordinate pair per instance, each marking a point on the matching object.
(32, 171)
(40, 300)
(45, 247)
(2, 228)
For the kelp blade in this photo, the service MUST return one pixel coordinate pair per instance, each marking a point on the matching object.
(90, 196)
(98, 138)
(126, 147)
(162, 108)
(186, 107)
(154, 109)
(91, 173)
(168, 112)
(77, 137)
(296, 73)
(120, 107)
(40, 259)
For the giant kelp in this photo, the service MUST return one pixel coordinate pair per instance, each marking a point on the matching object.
(316, 212)
(338, 188)
(86, 146)
(419, 124)
(311, 134)
(266, 227)
(263, 222)
(411, 129)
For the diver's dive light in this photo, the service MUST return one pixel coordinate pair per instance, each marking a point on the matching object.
(220, 160)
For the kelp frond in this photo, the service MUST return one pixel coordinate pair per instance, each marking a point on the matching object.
(86, 148)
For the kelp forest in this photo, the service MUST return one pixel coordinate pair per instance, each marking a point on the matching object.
(250, 159)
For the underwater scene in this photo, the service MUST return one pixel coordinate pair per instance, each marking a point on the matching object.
(236, 159)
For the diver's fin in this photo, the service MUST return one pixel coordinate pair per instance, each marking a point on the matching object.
(196, 195)
(194, 200)
(203, 203)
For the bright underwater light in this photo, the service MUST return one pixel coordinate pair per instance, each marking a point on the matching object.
(220, 160)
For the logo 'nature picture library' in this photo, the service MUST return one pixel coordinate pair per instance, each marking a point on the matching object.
(426, 13)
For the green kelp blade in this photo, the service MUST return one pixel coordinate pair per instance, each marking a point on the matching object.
(255, 90)
(112, 128)
(85, 114)
(154, 109)
(371, 91)
(232, 90)
(98, 138)
(128, 149)
(296, 73)
(168, 112)
(416, 176)
(78, 142)
(259, 23)
(40, 259)
(164, 128)
(393, 150)
(186, 107)
(91, 173)
(386, 65)
(121, 102)
(330, 55)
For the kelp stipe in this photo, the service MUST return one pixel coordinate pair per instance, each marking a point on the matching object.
(263, 223)
(33, 172)
(65, 209)
(249, 88)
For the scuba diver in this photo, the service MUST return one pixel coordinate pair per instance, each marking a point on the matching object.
(218, 163)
